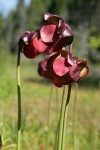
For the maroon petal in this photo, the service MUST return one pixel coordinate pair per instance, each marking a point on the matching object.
(80, 61)
(25, 39)
(54, 55)
(67, 30)
(70, 59)
(74, 72)
(52, 19)
(42, 68)
(47, 33)
(56, 46)
(30, 52)
(39, 45)
(32, 35)
(58, 82)
(59, 67)
(64, 30)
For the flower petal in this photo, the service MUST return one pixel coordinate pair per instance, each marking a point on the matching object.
(59, 67)
(80, 61)
(74, 72)
(39, 45)
(30, 52)
(52, 19)
(56, 46)
(47, 33)
(25, 39)
(42, 68)
(57, 81)
(64, 30)
(70, 59)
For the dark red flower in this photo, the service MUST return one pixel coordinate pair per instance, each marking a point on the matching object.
(51, 37)
(55, 33)
(64, 69)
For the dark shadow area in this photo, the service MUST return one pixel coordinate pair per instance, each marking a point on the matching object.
(86, 82)
(36, 80)
(90, 82)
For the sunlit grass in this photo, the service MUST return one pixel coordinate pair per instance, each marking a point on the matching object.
(35, 95)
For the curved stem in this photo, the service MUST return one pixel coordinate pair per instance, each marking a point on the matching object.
(19, 103)
(65, 117)
(70, 48)
(48, 121)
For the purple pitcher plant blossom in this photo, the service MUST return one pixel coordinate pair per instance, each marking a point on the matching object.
(63, 69)
(52, 36)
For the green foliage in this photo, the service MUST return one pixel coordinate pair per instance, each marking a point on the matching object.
(81, 11)
(1, 24)
(94, 39)
(94, 45)
(35, 12)
(95, 42)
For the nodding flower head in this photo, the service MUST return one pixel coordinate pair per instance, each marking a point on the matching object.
(52, 36)
(64, 69)
(55, 33)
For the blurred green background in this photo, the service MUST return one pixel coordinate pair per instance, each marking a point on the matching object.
(84, 18)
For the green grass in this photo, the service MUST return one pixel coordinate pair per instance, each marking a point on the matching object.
(35, 95)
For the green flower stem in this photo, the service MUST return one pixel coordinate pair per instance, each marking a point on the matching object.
(48, 121)
(57, 118)
(57, 104)
(60, 127)
(19, 103)
(74, 116)
(65, 117)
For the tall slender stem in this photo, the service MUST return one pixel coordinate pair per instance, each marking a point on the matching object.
(74, 116)
(60, 127)
(65, 116)
(19, 103)
(57, 104)
(57, 118)
(48, 121)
